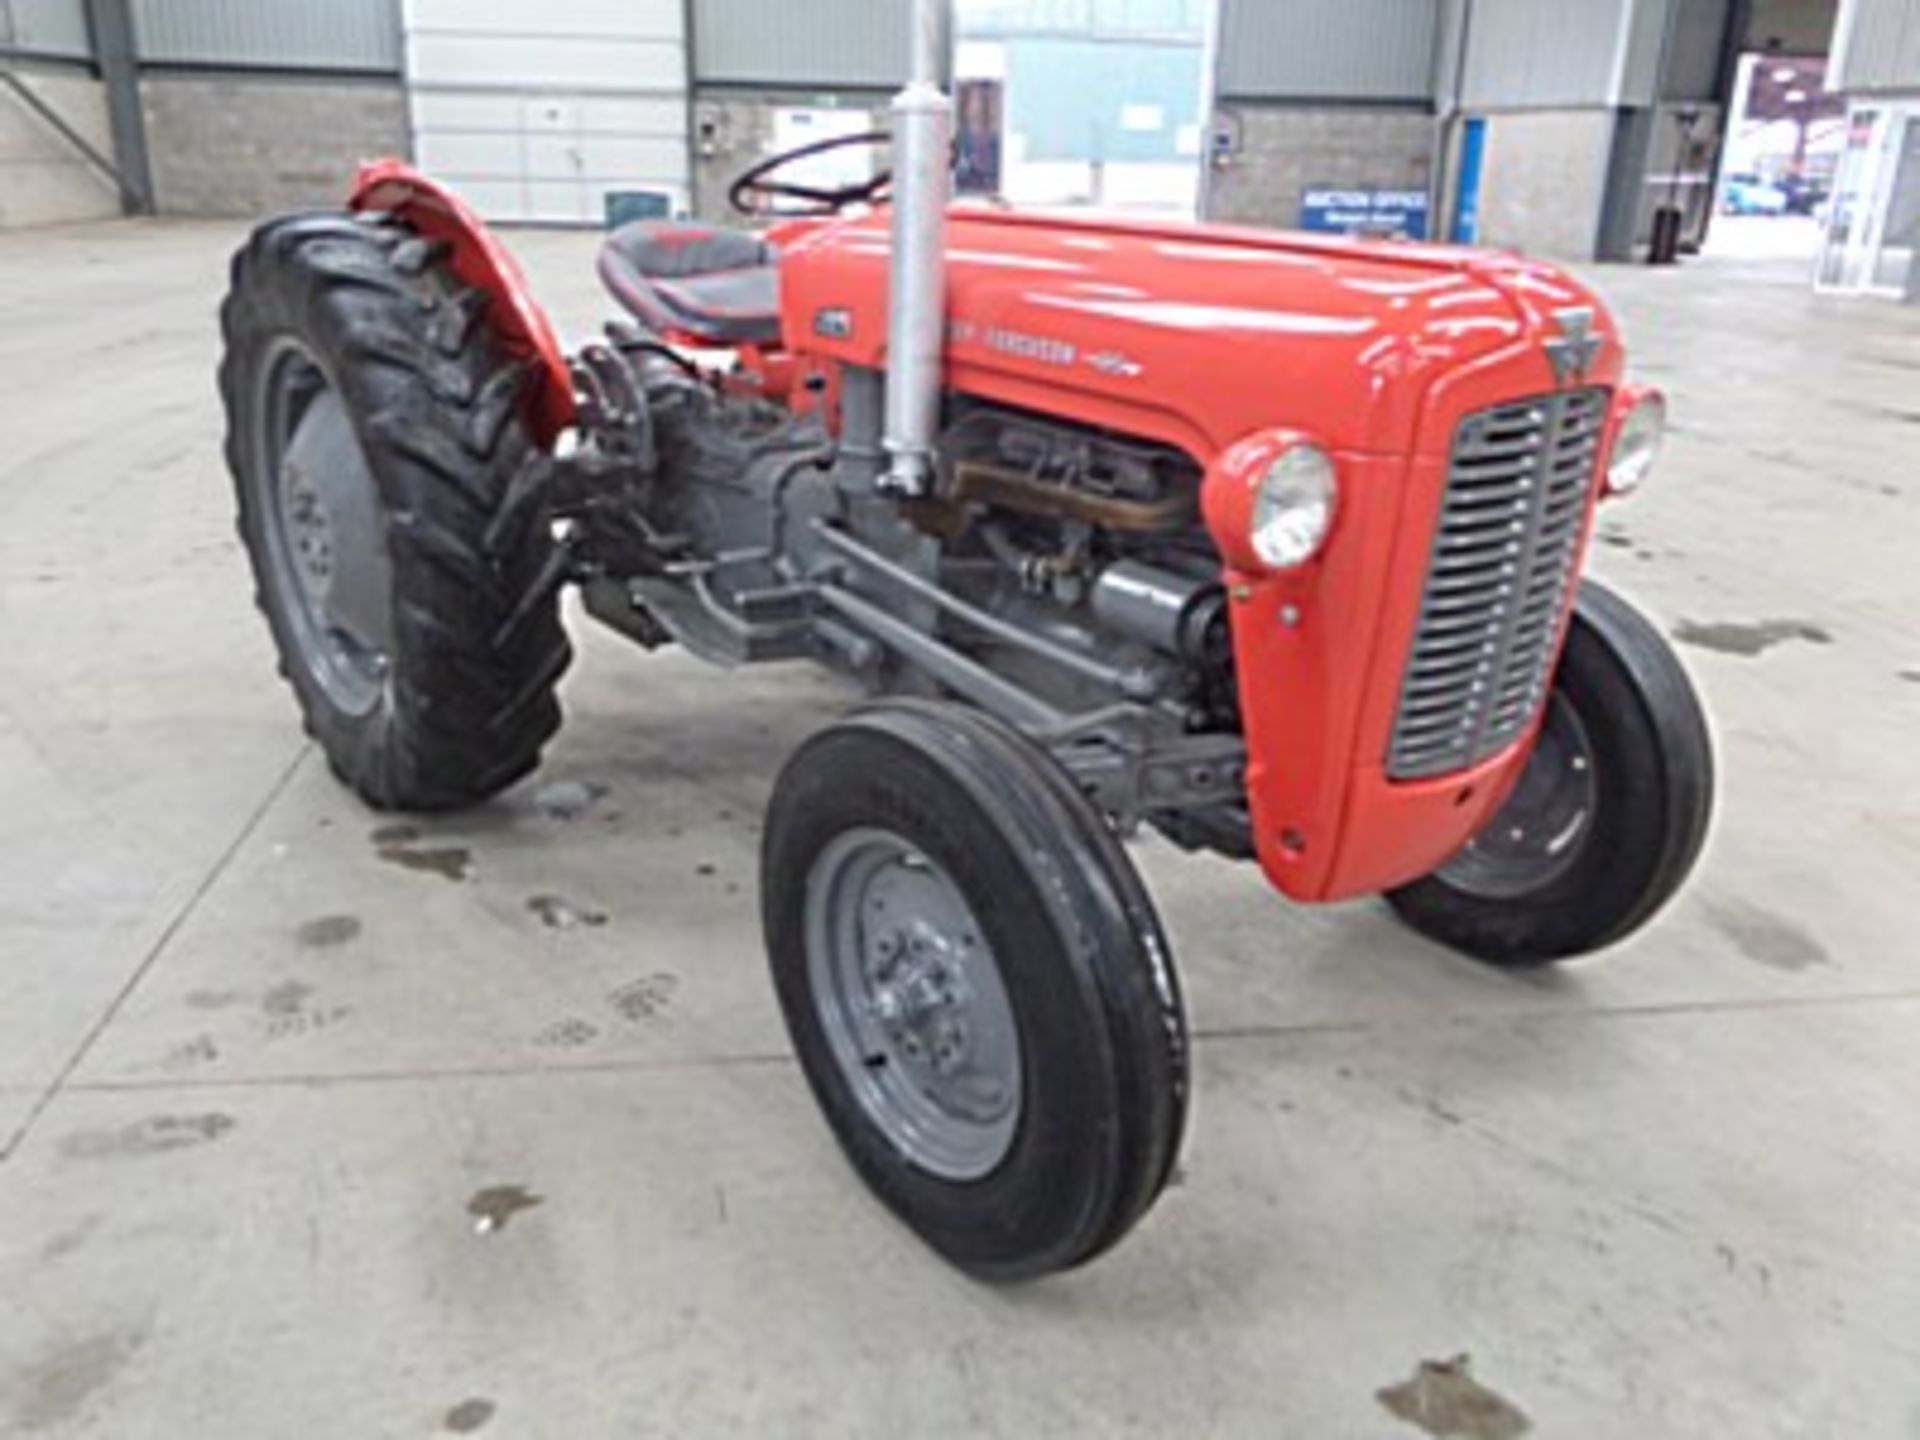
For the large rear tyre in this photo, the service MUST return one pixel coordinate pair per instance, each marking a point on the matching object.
(1609, 815)
(375, 434)
(977, 987)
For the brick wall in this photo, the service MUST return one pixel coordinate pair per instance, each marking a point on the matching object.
(228, 145)
(1284, 150)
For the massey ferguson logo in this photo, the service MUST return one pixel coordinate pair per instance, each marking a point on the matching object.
(1576, 348)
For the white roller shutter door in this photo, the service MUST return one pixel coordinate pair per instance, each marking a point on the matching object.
(534, 111)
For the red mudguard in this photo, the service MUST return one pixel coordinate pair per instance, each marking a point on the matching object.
(480, 260)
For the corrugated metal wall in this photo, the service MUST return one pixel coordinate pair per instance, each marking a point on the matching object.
(1542, 53)
(347, 35)
(1639, 76)
(1693, 63)
(822, 44)
(54, 28)
(1106, 19)
(1878, 46)
(1311, 50)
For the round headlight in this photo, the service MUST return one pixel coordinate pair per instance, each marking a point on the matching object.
(1293, 507)
(1637, 445)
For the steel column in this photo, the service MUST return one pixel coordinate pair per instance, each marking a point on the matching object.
(110, 24)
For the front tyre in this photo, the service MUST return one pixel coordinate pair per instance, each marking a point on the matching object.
(1608, 817)
(976, 985)
(374, 432)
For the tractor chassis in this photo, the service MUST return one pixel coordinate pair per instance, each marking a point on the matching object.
(840, 579)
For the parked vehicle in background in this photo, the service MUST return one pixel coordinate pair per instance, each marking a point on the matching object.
(1805, 195)
(1753, 195)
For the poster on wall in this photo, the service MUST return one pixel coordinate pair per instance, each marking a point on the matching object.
(981, 104)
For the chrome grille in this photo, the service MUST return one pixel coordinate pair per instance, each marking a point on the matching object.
(1516, 497)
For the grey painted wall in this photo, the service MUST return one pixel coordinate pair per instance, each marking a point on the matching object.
(797, 43)
(1368, 50)
(1878, 46)
(1545, 180)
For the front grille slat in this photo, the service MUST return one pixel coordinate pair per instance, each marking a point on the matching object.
(1518, 482)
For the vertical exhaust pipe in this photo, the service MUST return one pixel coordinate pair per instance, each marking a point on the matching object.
(917, 275)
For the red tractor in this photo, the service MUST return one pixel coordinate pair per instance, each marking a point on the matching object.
(1271, 543)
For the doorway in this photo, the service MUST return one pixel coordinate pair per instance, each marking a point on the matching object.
(1100, 104)
(1873, 226)
(1785, 138)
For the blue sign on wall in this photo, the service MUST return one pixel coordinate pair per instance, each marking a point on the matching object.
(1332, 210)
(1466, 209)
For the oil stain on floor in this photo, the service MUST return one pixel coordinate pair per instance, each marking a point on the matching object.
(644, 999)
(1748, 638)
(154, 1135)
(286, 998)
(399, 845)
(289, 1010)
(1767, 938)
(468, 1416)
(568, 1034)
(325, 932)
(55, 1388)
(556, 912)
(494, 1207)
(1443, 1399)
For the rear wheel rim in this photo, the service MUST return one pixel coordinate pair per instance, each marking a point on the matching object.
(912, 1003)
(326, 546)
(1538, 835)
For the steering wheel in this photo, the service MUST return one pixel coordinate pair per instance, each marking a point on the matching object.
(753, 188)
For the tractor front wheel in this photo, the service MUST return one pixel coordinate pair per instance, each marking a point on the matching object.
(976, 985)
(374, 432)
(1607, 818)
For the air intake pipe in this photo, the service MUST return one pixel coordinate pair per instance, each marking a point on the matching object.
(917, 276)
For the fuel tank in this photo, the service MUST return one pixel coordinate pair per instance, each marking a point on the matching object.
(1194, 335)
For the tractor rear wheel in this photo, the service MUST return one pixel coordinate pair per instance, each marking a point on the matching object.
(976, 984)
(1607, 818)
(375, 434)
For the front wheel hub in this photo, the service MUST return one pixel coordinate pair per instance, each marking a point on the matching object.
(911, 1000)
(1539, 833)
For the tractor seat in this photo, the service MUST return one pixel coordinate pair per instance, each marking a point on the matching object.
(718, 287)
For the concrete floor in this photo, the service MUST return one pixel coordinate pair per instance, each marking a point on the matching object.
(265, 1080)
